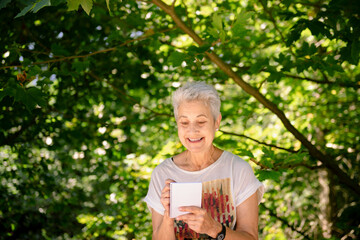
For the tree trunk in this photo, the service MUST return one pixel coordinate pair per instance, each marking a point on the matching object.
(327, 202)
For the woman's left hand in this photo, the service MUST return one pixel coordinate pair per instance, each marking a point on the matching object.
(200, 221)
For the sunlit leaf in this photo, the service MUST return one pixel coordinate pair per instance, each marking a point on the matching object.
(108, 5)
(39, 5)
(217, 21)
(87, 5)
(268, 175)
(73, 4)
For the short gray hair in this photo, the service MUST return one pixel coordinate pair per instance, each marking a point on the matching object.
(200, 91)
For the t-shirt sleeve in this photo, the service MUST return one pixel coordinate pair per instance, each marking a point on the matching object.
(154, 192)
(245, 182)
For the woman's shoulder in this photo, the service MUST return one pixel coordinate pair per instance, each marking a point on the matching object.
(235, 160)
(162, 166)
(232, 156)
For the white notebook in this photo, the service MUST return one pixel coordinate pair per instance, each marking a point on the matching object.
(184, 194)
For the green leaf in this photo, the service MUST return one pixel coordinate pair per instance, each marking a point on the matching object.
(3, 3)
(268, 152)
(57, 2)
(213, 32)
(34, 7)
(267, 163)
(108, 5)
(176, 58)
(302, 65)
(239, 27)
(25, 10)
(80, 66)
(200, 49)
(87, 5)
(4, 93)
(73, 5)
(34, 70)
(20, 95)
(239, 30)
(40, 5)
(275, 76)
(295, 32)
(37, 96)
(58, 50)
(268, 174)
(243, 17)
(244, 152)
(317, 28)
(217, 21)
(222, 35)
(26, 62)
(29, 102)
(259, 65)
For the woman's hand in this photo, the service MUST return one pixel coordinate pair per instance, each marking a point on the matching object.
(200, 221)
(165, 197)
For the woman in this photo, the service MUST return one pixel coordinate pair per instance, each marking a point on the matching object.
(230, 191)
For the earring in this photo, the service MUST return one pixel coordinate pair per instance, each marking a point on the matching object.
(217, 129)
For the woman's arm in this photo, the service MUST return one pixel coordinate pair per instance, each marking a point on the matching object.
(163, 226)
(246, 220)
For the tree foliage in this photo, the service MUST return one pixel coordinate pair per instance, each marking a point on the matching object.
(86, 114)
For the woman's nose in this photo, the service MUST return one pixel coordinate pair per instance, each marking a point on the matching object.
(194, 128)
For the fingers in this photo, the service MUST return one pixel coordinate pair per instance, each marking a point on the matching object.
(165, 195)
(191, 209)
(193, 213)
(197, 219)
(166, 189)
(168, 181)
(167, 185)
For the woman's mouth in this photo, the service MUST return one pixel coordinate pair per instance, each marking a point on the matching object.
(195, 139)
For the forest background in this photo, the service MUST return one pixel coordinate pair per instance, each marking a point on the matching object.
(86, 110)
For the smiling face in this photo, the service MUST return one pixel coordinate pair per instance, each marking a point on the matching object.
(196, 126)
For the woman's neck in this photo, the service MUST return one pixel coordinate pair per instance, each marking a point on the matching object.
(199, 161)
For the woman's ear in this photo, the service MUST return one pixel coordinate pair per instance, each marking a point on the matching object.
(217, 122)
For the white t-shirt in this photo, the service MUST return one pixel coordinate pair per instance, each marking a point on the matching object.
(226, 184)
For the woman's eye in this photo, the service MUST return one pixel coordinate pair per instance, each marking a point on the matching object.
(184, 123)
(202, 123)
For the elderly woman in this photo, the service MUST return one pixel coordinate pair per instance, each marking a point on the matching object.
(230, 191)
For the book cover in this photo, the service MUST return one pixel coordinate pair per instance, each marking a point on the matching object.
(184, 194)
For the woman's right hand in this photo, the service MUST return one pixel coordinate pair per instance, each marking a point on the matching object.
(165, 197)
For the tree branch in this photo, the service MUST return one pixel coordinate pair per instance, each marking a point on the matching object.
(285, 222)
(259, 142)
(90, 54)
(326, 81)
(285, 166)
(314, 152)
